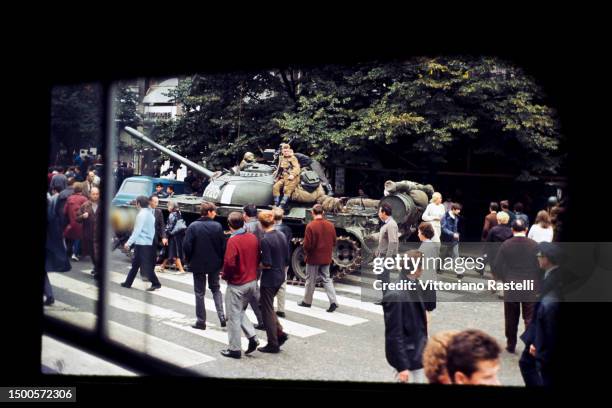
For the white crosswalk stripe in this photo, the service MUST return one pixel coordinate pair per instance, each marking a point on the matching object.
(67, 360)
(138, 340)
(165, 316)
(216, 335)
(292, 328)
(142, 302)
(314, 311)
(299, 291)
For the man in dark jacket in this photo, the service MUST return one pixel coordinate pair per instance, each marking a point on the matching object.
(160, 226)
(406, 326)
(204, 247)
(490, 220)
(286, 230)
(251, 225)
(58, 181)
(450, 232)
(274, 259)
(62, 198)
(505, 207)
(540, 338)
(516, 262)
(496, 235)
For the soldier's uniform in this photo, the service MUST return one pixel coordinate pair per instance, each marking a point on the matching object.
(287, 166)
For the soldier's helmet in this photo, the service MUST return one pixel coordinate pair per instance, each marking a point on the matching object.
(248, 156)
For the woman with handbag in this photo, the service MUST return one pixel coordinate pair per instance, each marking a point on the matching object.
(175, 230)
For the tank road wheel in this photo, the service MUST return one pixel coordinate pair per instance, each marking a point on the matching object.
(298, 264)
(346, 256)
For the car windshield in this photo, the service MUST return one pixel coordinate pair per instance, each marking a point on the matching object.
(135, 187)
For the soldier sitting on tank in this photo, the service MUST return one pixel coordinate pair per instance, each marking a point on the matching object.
(247, 159)
(287, 176)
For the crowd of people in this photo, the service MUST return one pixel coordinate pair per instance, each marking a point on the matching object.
(254, 259)
(73, 220)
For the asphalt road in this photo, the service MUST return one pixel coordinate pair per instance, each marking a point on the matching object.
(347, 345)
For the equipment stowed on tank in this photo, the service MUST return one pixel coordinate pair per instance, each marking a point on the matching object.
(356, 221)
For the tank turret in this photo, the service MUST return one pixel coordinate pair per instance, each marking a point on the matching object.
(251, 182)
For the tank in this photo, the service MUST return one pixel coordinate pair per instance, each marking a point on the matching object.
(356, 221)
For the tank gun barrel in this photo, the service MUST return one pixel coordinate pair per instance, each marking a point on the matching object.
(175, 156)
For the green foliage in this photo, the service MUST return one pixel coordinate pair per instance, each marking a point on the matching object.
(126, 100)
(76, 115)
(428, 112)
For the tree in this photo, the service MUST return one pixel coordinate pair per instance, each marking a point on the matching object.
(76, 115)
(430, 113)
(226, 115)
(447, 113)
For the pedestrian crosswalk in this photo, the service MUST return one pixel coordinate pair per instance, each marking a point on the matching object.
(172, 306)
(140, 340)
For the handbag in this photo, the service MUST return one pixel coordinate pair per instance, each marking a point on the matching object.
(179, 227)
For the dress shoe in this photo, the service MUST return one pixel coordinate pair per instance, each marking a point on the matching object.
(332, 307)
(280, 314)
(223, 321)
(231, 353)
(125, 285)
(199, 326)
(269, 349)
(378, 303)
(303, 304)
(153, 287)
(282, 339)
(260, 327)
(49, 301)
(253, 343)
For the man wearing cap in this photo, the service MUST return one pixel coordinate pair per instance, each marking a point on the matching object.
(540, 338)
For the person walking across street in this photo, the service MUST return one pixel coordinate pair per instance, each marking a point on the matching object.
(160, 239)
(177, 235)
(240, 264)
(516, 261)
(286, 230)
(204, 247)
(251, 224)
(142, 239)
(319, 243)
(274, 259)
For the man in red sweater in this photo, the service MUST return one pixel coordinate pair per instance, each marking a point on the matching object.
(319, 243)
(240, 271)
